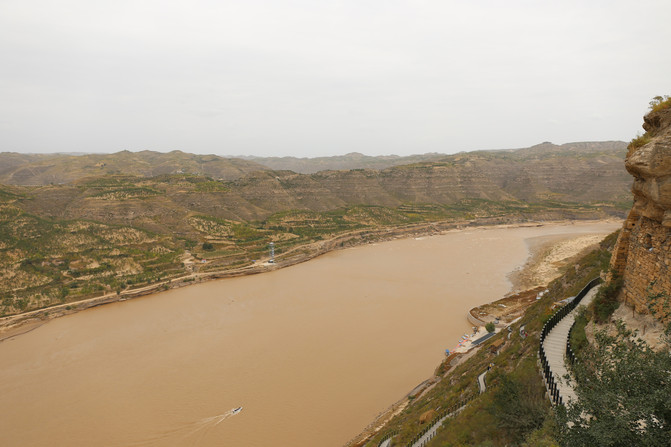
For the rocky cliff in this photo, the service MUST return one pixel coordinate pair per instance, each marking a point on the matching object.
(643, 253)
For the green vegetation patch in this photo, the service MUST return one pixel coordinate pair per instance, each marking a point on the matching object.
(660, 103)
(246, 233)
(210, 186)
(605, 302)
(639, 141)
(578, 337)
(45, 262)
(378, 216)
(312, 224)
(623, 394)
(110, 181)
(212, 226)
(125, 193)
(8, 196)
(117, 187)
(657, 104)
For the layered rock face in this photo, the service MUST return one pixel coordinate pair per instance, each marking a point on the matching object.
(643, 253)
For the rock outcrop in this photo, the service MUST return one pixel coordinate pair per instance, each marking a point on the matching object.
(643, 253)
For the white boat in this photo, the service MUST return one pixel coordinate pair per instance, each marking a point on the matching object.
(236, 410)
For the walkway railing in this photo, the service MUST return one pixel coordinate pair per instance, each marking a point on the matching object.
(438, 420)
(417, 440)
(547, 327)
(389, 435)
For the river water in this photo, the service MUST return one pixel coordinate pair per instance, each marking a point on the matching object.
(312, 352)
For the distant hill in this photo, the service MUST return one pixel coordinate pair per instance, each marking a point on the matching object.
(353, 160)
(45, 169)
(587, 174)
(356, 160)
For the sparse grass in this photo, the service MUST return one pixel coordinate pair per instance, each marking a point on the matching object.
(657, 104)
(639, 141)
(660, 103)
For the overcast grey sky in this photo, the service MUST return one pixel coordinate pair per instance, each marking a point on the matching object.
(312, 78)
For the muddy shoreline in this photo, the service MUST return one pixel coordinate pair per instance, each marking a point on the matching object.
(14, 325)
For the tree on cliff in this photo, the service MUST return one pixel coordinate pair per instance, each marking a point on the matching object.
(623, 394)
(660, 102)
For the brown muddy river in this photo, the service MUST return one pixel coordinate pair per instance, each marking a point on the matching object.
(312, 352)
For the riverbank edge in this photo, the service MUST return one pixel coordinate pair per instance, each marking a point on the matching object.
(456, 358)
(15, 325)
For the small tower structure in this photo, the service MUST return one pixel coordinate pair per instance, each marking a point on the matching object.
(272, 252)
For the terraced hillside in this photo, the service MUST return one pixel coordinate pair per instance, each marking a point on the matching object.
(46, 169)
(112, 232)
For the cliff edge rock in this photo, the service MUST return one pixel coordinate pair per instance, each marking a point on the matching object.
(642, 256)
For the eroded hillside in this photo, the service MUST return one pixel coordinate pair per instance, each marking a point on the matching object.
(47, 169)
(107, 233)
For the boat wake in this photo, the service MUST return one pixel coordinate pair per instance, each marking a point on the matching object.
(190, 433)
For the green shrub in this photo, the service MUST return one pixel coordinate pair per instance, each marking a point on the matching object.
(544, 436)
(490, 327)
(578, 336)
(605, 302)
(624, 387)
(520, 405)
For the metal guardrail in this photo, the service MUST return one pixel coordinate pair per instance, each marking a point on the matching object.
(391, 434)
(570, 355)
(451, 411)
(547, 327)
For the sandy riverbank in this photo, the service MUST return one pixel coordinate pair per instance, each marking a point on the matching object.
(548, 255)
